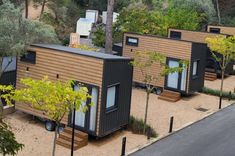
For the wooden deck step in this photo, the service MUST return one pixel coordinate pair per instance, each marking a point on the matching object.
(210, 76)
(78, 133)
(65, 139)
(170, 96)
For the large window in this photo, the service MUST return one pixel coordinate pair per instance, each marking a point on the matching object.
(195, 68)
(175, 34)
(29, 57)
(111, 101)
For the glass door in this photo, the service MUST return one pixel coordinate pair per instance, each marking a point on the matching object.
(173, 78)
(87, 120)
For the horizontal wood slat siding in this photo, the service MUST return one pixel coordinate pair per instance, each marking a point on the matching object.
(169, 48)
(223, 30)
(194, 36)
(69, 67)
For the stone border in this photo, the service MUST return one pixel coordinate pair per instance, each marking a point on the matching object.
(152, 141)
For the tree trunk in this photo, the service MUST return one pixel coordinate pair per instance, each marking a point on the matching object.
(109, 27)
(146, 111)
(42, 10)
(218, 11)
(55, 137)
(221, 88)
(26, 8)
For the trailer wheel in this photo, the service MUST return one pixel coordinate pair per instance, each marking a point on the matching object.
(50, 125)
(158, 91)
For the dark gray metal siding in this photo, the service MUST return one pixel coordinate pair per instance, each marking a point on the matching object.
(8, 78)
(199, 52)
(116, 71)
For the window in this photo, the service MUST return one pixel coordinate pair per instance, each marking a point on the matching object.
(111, 101)
(195, 68)
(175, 35)
(132, 41)
(29, 57)
(215, 30)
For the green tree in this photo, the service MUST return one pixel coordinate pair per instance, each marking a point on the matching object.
(223, 51)
(8, 143)
(138, 19)
(54, 99)
(17, 33)
(144, 60)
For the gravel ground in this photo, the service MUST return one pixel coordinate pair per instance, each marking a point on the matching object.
(39, 141)
(229, 84)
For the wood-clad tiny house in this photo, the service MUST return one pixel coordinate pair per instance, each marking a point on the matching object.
(190, 80)
(108, 78)
(221, 29)
(212, 65)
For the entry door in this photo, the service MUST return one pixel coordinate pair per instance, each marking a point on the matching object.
(87, 120)
(176, 81)
(173, 78)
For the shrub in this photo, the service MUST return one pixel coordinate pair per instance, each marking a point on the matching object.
(227, 95)
(99, 37)
(137, 127)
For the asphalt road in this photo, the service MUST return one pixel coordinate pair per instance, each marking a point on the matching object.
(213, 136)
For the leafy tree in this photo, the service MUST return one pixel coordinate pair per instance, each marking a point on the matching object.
(223, 50)
(17, 33)
(54, 99)
(8, 143)
(206, 8)
(144, 60)
(153, 22)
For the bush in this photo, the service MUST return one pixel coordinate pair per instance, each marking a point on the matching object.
(137, 127)
(227, 95)
(99, 37)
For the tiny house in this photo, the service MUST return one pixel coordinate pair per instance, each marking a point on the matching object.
(8, 78)
(212, 66)
(9, 71)
(92, 15)
(189, 81)
(107, 77)
(221, 29)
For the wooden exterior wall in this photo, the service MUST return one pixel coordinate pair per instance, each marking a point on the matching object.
(69, 67)
(194, 36)
(223, 30)
(168, 47)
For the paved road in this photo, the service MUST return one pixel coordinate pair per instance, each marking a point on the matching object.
(213, 136)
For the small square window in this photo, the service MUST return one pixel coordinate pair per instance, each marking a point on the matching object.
(195, 68)
(175, 34)
(111, 100)
(132, 41)
(29, 57)
(215, 30)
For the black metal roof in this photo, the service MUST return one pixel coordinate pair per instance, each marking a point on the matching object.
(100, 55)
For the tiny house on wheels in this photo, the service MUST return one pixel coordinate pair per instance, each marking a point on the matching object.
(221, 29)
(212, 66)
(189, 81)
(107, 77)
